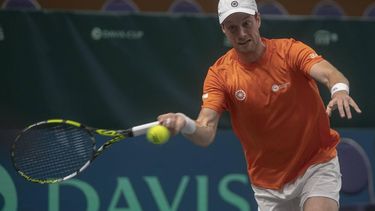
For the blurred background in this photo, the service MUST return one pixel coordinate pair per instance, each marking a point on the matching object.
(119, 63)
(292, 7)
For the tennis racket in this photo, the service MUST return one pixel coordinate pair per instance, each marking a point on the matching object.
(55, 150)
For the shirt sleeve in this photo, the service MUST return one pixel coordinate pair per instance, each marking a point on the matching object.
(302, 57)
(213, 92)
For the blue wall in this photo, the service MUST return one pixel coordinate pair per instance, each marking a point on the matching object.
(137, 175)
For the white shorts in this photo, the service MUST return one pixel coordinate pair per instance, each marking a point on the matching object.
(319, 180)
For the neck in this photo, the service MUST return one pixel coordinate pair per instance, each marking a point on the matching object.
(253, 56)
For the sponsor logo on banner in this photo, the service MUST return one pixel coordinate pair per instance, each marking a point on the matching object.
(8, 191)
(324, 37)
(98, 33)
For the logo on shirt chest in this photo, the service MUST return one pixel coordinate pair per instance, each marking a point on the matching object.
(240, 95)
(277, 87)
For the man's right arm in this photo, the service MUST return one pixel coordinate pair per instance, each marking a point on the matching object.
(205, 126)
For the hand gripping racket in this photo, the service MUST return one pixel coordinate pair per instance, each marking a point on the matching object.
(55, 150)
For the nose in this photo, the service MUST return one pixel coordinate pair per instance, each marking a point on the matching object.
(241, 32)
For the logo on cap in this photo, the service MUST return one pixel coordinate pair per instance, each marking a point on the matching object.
(234, 4)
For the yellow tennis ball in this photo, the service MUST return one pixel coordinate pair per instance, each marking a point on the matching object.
(158, 134)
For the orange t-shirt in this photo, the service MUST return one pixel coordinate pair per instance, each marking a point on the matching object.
(276, 110)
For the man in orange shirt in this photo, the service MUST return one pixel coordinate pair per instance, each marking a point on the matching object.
(268, 87)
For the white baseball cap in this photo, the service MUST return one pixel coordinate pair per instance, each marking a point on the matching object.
(228, 7)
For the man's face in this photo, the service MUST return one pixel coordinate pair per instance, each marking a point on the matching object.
(242, 30)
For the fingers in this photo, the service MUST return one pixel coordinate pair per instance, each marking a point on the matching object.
(167, 122)
(340, 103)
(347, 110)
(330, 107)
(343, 102)
(172, 121)
(355, 106)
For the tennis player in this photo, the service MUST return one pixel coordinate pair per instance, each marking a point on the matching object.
(269, 88)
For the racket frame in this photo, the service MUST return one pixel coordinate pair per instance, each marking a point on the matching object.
(115, 135)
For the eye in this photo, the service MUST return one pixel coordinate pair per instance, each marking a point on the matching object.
(232, 28)
(247, 24)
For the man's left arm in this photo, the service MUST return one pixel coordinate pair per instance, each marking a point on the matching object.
(327, 74)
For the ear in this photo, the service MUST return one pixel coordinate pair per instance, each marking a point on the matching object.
(222, 28)
(258, 19)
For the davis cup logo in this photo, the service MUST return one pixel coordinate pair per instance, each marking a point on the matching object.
(240, 95)
(101, 34)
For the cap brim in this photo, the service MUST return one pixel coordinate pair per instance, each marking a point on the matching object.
(236, 10)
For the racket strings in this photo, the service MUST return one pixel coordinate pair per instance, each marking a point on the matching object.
(53, 151)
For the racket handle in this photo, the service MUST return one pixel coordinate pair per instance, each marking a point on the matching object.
(142, 129)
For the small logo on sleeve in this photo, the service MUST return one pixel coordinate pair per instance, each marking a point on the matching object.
(313, 55)
(205, 96)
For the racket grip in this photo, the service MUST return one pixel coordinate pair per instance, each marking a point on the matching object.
(142, 129)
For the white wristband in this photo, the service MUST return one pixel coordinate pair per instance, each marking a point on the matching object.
(189, 127)
(339, 87)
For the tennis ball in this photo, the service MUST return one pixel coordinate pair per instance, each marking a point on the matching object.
(158, 134)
